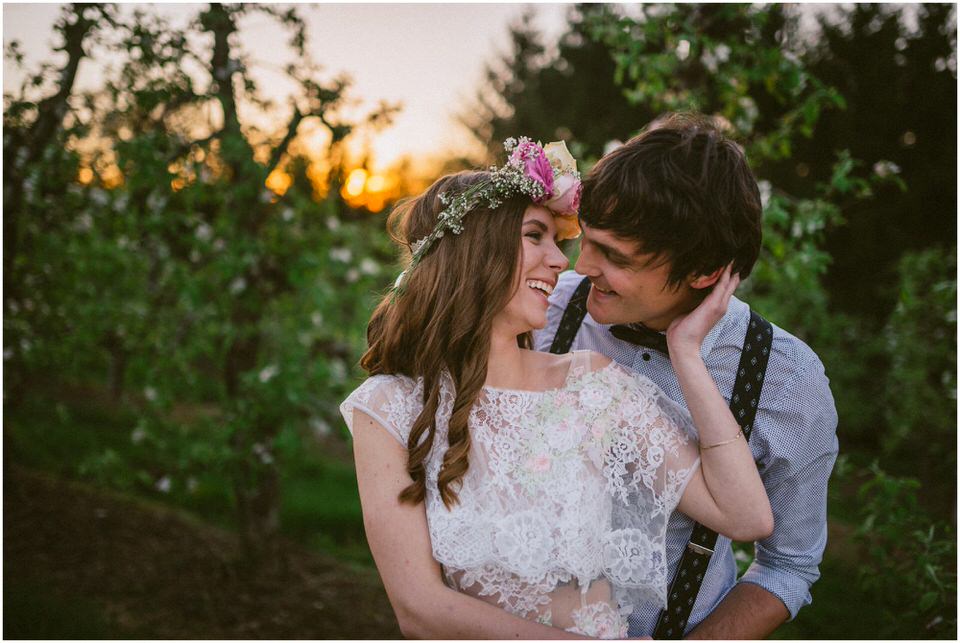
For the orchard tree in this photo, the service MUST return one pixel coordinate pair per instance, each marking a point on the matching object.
(146, 247)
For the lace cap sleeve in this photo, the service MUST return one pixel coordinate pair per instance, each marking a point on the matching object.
(389, 400)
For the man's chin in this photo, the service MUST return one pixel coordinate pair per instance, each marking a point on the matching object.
(602, 313)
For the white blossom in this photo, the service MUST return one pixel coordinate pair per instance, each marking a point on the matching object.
(238, 285)
(352, 276)
(164, 484)
(203, 232)
(369, 267)
(610, 146)
(150, 393)
(765, 190)
(263, 453)
(885, 168)
(268, 373)
(338, 370)
(319, 427)
(342, 255)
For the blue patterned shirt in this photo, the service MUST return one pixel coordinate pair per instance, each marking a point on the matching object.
(794, 442)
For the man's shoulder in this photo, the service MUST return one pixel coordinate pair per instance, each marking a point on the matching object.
(792, 353)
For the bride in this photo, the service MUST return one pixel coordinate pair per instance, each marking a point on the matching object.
(508, 493)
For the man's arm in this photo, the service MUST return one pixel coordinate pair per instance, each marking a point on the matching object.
(801, 435)
(748, 611)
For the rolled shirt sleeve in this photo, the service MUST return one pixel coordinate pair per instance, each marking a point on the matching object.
(795, 475)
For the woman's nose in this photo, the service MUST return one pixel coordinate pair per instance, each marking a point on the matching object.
(557, 260)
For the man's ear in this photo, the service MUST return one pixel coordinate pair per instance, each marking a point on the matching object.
(704, 281)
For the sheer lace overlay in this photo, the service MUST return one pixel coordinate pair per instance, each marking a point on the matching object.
(563, 511)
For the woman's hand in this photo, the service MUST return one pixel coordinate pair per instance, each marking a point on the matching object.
(685, 333)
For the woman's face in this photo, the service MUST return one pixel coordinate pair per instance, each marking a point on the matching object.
(540, 263)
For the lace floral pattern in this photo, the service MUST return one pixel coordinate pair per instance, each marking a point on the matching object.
(563, 511)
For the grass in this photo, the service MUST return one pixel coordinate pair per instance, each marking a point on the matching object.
(320, 505)
(30, 612)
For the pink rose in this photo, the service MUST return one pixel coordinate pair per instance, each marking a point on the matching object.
(535, 165)
(566, 195)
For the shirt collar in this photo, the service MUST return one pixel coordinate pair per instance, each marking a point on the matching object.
(736, 310)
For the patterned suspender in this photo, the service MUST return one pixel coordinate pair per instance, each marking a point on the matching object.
(573, 316)
(743, 403)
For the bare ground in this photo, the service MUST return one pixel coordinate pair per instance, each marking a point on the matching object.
(148, 571)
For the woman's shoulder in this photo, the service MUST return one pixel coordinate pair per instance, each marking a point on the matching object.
(388, 399)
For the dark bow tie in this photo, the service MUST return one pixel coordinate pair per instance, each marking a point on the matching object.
(641, 336)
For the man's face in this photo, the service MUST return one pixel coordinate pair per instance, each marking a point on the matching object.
(629, 286)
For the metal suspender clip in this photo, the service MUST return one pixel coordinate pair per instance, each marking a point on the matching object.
(699, 549)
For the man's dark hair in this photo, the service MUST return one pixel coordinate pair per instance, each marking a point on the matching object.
(684, 192)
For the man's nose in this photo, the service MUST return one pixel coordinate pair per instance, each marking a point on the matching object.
(584, 264)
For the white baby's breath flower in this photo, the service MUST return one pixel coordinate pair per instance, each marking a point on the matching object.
(333, 223)
(138, 435)
(150, 393)
(352, 276)
(316, 318)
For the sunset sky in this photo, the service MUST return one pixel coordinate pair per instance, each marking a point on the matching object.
(428, 57)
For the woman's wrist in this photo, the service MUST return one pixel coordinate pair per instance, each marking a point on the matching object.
(685, 354)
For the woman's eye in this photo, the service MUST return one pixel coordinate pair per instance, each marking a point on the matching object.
(536, 236)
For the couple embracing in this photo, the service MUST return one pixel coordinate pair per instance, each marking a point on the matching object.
(545, 453)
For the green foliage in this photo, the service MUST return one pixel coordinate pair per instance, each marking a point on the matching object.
(921, 385)
(159, 264)
(910, 560)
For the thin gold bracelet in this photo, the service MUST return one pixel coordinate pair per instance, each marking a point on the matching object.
(720, 444)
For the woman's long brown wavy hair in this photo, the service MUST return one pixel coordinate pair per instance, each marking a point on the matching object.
(442, 320)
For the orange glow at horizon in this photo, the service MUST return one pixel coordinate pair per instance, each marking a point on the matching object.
(278, 182)
(370, 191)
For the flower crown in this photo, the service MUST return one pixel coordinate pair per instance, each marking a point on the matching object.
(547, 174)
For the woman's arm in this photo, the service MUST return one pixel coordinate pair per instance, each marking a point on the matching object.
(400, 541)
(726, 492)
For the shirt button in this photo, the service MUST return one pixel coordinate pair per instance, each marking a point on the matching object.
(646, 357)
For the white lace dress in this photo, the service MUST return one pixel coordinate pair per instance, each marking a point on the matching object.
(563, 511)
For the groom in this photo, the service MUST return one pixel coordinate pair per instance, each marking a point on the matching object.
(662, 216)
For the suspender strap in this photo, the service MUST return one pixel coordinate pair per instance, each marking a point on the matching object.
(573, 316)
(743, 403)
